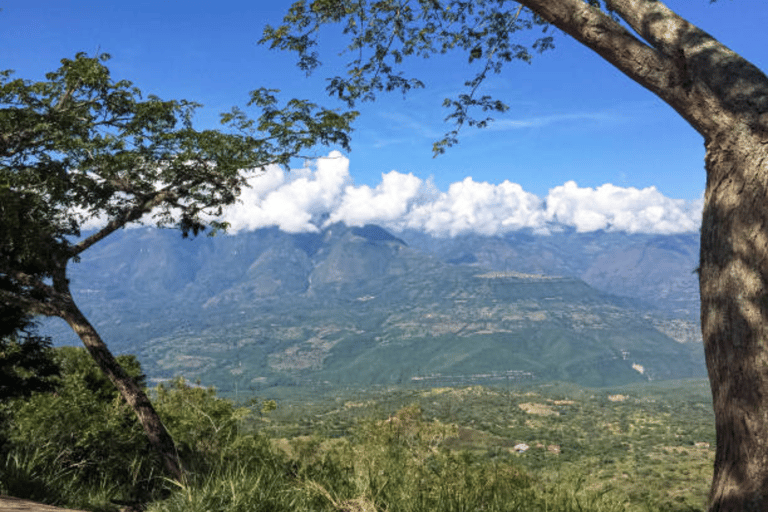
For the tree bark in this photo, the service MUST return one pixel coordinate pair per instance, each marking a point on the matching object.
(159, 438)
(725, 98)
(734, 317)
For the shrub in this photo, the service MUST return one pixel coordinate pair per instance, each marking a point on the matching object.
(82, 432)
(26, 365)
(202, 425)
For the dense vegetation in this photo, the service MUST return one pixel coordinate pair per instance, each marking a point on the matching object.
(421, 449)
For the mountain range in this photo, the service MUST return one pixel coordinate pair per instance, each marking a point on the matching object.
(361, 306)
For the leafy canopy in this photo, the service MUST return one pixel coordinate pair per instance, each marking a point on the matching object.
(383, 33)
(81, 146)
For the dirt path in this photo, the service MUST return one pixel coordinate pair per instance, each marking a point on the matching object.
(9, 504)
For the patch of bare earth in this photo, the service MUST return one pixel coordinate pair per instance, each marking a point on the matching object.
(538, 409)
(10, 504)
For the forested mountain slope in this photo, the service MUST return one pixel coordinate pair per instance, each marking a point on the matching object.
(362, 306)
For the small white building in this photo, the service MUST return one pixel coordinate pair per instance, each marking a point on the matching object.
(520, 448)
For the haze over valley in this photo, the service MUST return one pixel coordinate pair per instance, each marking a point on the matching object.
(361, 306)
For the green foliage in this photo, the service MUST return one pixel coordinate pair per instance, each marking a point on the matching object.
(81, 145)
(29, 242)
(383, 33)
(80, 373)
(27, 472)
(636, 449)
(234, 489)
(202, 424)
(395, 465)
(82, 440)
(402, 464)
(26, 365)
(443, 449)
(83, 429)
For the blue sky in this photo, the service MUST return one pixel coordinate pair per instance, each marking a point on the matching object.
(572, 116)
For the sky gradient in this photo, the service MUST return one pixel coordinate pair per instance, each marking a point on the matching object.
(573, 117)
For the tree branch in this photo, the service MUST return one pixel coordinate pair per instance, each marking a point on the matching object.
(27, 280)
(59, 106)
(741, 86)
(121, 220)
(664, 75)
(50, 306)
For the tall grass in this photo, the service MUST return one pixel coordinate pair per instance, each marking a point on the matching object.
(28, 474)
(394, 465)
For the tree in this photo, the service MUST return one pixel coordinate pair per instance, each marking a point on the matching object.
(80, 146)
(26, 360)
(720, 94)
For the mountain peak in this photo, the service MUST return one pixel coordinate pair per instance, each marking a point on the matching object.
(374, 233)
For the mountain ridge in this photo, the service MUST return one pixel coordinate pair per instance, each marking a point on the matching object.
(363, 306)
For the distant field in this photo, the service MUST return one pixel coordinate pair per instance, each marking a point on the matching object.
(650, 446)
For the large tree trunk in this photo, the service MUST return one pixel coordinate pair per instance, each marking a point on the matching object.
(158, 436)
(725, 98)
(734, 316)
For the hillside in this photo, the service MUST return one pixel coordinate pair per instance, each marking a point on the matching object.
(656, 269)
(362, 306)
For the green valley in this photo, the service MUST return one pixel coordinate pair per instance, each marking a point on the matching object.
(554, 447)
(360, 306)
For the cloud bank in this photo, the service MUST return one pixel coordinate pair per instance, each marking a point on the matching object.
(311, 198)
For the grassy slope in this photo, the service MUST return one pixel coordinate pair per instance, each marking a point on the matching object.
(648, 447)
(637, 448)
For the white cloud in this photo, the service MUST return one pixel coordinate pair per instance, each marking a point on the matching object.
(483, 208)
(294, 202)
(621, 209)
(389, 202)
(310, 198)
(323, 193)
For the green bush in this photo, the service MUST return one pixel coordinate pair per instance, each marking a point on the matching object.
(202, 425)
(399, 464)
(82, 435)
(26, 365)
(81, 432)
(402, 464)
